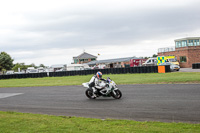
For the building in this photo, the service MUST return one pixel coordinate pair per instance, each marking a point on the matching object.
(84, 58)
(187, 51)
(111, 63)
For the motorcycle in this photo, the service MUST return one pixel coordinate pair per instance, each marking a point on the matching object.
(109, 90)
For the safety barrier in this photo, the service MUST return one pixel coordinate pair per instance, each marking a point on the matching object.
(196, 66)
(143, 69)
(24, 75)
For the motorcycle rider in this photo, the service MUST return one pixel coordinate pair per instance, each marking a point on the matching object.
(94, 83)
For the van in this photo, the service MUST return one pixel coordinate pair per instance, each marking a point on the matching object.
(150, 62)
(136, 62)
(171, 59)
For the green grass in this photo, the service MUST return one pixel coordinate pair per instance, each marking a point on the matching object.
(150, 78)
(12, 122)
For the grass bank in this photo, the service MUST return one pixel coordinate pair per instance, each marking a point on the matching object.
(149, 78)
(34, 123)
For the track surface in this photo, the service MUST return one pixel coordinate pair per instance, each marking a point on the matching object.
(167, 103)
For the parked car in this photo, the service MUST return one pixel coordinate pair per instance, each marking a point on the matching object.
(18, 72)
(10, 72)
(59, 70)
(33, 71)
(95, 67)
(173, 67)
(174, 61)
(41, 70)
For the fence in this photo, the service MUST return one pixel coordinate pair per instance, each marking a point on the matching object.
(143, 69)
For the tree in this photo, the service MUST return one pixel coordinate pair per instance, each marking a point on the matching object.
(42, 65)
(155, 55)
(6, 62)
(22, 66)
(32, 65)
(147, 57)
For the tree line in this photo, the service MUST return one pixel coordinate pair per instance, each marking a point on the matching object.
(6, 63)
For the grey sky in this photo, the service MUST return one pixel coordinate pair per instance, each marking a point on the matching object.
(52, 32)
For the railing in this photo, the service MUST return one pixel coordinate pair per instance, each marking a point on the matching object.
(167, 49)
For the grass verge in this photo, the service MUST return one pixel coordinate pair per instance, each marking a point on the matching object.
(149, 78)
(23, 122)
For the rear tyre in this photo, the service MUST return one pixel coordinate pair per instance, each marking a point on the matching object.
(117, 95)
(89, 94)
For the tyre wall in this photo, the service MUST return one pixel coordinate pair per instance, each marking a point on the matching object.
(196, 66)
(143, 69)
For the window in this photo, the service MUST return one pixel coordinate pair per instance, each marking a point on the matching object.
(172, 60)
(193, 42)
(190, 43)
(184, 43)
(149, 61)
(177, 45)
(196, 42)
(75, 61)
(93, 59)
(183, 59)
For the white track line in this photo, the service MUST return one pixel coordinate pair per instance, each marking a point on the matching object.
(4, 95)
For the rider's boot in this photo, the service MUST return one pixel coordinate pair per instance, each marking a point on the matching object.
(94, 93)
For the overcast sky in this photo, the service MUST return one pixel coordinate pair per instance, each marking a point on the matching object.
(53, 31)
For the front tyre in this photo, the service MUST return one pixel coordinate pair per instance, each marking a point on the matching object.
(117, 94)
(89, 94)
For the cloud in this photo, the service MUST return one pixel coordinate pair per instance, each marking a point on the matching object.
(37, 27)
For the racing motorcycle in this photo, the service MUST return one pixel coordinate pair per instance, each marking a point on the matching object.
(109, 90)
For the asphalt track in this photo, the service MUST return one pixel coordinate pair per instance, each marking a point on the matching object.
(166, 103)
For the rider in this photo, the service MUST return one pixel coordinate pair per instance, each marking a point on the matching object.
(94, 83)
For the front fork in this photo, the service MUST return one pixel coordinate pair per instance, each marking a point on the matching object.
(113, 91)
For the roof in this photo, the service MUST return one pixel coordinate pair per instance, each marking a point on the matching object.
(58, 66)
(111, 60)
(76, 65)
(85, 55)
(187, 38)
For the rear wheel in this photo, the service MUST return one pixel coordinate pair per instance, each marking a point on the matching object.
(89, 94)
(117, 95)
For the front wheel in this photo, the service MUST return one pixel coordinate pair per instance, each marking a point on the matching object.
(89, 93)
(117, 94)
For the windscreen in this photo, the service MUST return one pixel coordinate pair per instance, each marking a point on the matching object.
(172, 60)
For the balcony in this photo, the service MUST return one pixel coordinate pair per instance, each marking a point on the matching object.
(167, 49)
